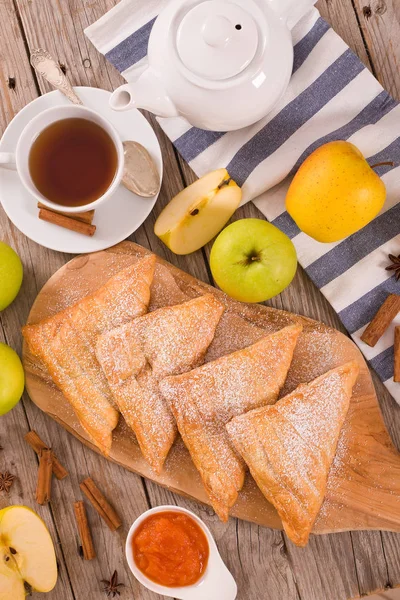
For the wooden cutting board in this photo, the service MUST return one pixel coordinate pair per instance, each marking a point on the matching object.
(364, 482)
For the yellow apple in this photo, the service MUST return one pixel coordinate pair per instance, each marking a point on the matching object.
(335, 193)
(26, 553)
(198, 213)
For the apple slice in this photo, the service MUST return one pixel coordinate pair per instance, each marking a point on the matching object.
(198, 213)
(26, 553)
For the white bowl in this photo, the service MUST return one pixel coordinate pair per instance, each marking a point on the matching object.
(216, 584)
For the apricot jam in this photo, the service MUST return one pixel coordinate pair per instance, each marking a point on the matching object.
(170, 549)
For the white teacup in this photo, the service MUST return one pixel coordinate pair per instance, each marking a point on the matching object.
(20, 160)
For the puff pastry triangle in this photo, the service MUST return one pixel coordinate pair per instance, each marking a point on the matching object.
(137, 356)
(206, 399)
(65, 343)
(290, 447)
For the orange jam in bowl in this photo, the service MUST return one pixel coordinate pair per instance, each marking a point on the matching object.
(171, 549)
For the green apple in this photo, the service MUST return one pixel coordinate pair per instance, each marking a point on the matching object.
(12, 379)
(11, 273)
(252, 261)
(26, 553)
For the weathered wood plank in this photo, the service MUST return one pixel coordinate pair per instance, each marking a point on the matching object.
(14, 66)
(372, 568)
(380, 23)
(340, 14)
(323, 569)
(372, 29)
(391, 546)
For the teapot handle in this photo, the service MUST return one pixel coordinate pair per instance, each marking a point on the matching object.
(291, 10)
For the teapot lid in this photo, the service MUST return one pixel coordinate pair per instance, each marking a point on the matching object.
(217, 39)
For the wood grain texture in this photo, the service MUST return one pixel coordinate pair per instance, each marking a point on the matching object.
(344, 20)
(16, 82)
(324, 559)
(379, 20)
(364, 484)
(259, 558)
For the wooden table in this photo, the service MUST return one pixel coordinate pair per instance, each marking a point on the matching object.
(265, 564)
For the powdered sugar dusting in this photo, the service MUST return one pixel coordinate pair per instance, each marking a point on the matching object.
(204, 400)
(290, 447)
(233, 333)
(137, 356)
(65, 343)
(319, 349)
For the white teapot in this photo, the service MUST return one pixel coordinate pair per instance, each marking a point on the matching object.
(221, 64)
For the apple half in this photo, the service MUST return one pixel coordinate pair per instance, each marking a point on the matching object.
(199, 212)
(26, 553)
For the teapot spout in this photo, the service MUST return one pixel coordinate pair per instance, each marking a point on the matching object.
(147, 93)
(291, 11)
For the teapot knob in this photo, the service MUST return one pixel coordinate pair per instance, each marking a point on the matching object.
(217, 31)
(218, 39)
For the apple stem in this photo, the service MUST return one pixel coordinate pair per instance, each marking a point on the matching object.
(225, 183)
(387, 163)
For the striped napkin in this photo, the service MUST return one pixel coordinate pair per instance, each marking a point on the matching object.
(331, 96)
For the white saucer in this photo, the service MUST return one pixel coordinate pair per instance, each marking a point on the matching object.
(117, 218)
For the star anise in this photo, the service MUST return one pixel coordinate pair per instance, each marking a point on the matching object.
(111, 586)
(6, 481)
(395, 266)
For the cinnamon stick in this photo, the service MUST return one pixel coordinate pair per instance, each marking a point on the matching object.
(100, 504)
(84, 531)
(396, 376)
(43, 489)
(385, 315)
(66, 222)
(37, 444)
(85, 217)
